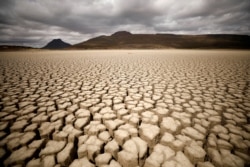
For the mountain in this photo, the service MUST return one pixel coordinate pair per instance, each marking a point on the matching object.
(14, 48)
(56, 44)
(126, 40)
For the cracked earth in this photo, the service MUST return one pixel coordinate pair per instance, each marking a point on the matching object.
(128, 108)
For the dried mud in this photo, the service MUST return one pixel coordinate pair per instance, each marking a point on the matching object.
(125, 108)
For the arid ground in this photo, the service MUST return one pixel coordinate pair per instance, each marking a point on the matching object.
(125, 108)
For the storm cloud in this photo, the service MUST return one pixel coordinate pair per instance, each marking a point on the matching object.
(36, 22)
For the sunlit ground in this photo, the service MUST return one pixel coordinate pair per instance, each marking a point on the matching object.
(126, 108)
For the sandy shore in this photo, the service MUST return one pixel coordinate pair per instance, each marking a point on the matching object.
(125, 108)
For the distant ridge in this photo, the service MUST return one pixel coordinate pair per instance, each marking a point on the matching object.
(121, 33)
(126, 40)
(14, 48)
(56, 44)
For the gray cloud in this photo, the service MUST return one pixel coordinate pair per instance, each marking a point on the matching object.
(36, 22)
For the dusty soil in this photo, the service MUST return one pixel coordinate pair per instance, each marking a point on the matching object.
(126, 108)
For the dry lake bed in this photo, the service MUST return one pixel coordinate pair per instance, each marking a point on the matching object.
(150, 108)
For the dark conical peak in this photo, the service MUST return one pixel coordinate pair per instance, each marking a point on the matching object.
(57, 40)
(56, 44)
(121, 33)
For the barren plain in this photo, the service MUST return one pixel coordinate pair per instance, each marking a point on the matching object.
(150, 108)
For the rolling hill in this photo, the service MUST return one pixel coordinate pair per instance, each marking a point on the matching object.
(14, 48)
(126, 40)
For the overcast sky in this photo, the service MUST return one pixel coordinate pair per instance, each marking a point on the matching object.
(36, 22)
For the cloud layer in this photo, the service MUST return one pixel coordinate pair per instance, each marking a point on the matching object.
(36, 22)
